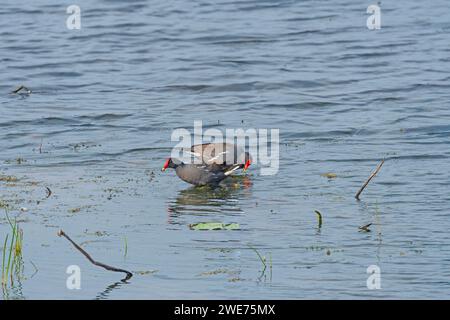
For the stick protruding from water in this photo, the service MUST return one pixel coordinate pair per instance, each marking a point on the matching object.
(128, 273)
(20, 89)
(368, 180)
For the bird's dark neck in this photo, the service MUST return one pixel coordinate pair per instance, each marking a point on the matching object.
(178, 165)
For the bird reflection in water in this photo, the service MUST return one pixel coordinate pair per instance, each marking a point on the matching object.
(202, 201)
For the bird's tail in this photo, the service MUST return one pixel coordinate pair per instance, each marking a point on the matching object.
(227, 173)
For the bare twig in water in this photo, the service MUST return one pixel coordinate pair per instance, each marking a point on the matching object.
(128, 273)
(319, 218)
(365, 228)
(49, 192)
(20, 88)
(368, 180)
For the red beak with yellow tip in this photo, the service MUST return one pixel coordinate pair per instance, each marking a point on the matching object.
(166, 164)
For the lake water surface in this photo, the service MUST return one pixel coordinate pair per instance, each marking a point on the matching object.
(96, 130)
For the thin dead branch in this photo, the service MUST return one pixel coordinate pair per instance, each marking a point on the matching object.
(368, 180)
(21, 88)
(365, 227)
(49, 192)
(128, 273)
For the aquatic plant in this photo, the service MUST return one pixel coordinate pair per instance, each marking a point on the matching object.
(264, 263)
(12, 263)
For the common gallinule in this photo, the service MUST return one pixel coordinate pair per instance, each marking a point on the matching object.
(222, 156)
(218, 161)
(199, 175)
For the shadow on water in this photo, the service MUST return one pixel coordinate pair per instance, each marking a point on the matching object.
(202, 201)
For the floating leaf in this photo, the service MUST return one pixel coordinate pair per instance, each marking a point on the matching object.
(145, 272)
(329, 175)
(214, 226)
(9, 178)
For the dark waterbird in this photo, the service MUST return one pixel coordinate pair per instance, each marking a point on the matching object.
(218, 161)
(199, 175)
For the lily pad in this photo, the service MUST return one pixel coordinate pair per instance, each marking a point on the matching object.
(214, 226)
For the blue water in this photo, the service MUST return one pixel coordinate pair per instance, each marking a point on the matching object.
(106, 98)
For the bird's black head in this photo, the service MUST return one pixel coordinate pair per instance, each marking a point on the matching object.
(169, 164)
